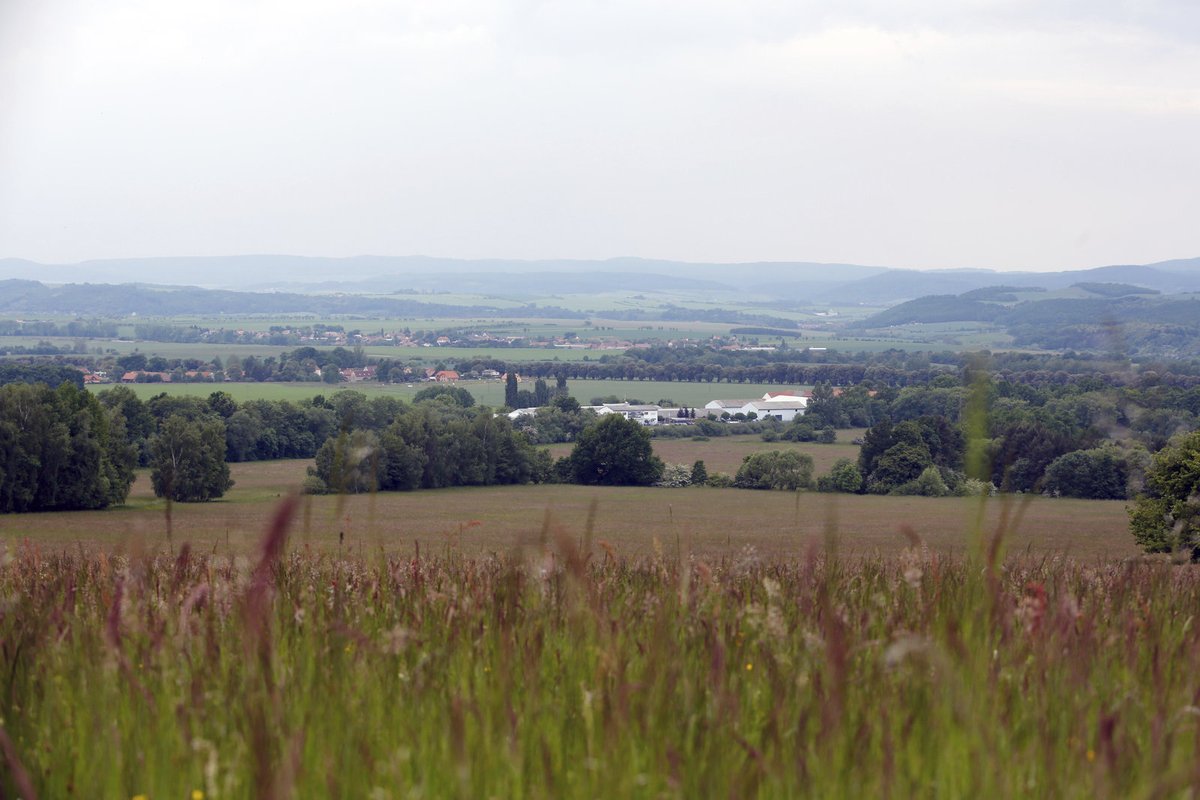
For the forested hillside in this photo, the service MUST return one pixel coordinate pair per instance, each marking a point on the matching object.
(1116, 316)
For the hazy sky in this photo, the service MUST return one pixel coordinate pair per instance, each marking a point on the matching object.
(1021, 133)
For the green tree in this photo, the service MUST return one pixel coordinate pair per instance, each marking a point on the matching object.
(187, 459)
(510, 389)
(457, 394)
(901, 463)
(566, 403)
(61, 449)
(350, 463)
(699, 473)
(615, 452)
(1167, 517)
(223, 404)
(1097, 474)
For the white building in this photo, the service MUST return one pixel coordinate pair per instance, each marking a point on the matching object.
(720, 406)
(646, 415)
(796, 396)
(783, 406)
(782, 410)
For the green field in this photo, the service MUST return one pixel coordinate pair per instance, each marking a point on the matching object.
(485, 392)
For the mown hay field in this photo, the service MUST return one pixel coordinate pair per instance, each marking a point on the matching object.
(633, 521)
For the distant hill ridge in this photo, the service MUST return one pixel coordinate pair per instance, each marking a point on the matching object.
(100, 299)
(1114, 316)
(798, 281)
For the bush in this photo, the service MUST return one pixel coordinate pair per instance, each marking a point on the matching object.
(675, 476)
(843, 477)
(973, 487)
(775, 469)
(800, 432)
(719, 480)
(928, 484)
(313, 485)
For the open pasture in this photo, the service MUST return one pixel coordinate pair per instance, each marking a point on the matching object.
(725, 453)
(633, 521)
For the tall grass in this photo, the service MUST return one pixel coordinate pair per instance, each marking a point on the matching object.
(568, 672)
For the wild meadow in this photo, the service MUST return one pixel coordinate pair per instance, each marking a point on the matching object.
(568, 669)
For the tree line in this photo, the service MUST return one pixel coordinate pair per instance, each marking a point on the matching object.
(61, 449)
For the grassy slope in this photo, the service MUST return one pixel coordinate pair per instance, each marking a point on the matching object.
(569, 673)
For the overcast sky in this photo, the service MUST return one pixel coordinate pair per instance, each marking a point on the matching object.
(1035, 134)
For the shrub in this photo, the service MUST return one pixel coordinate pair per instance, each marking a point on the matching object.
(313, 485)
(800, 432)
(843, 477)
(719, 480)
(775, 469)
(928, 484)
(973, 487)
(675, 476)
